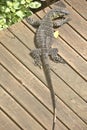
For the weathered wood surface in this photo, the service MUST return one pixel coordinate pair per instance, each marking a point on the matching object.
(25, 99)
(80, 6)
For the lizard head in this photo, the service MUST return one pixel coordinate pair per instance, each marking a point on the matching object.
(59, 12)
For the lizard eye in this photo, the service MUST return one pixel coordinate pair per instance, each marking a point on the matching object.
(55, 15)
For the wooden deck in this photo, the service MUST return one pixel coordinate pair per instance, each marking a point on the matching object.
(25, 99)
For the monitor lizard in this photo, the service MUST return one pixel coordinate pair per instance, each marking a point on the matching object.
(43, 42)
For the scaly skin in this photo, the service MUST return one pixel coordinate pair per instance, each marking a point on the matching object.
(43, 42)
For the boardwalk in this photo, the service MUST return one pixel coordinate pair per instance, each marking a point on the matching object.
(25, 99)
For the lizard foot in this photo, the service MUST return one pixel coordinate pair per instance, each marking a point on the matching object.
(60, 22)
(36, 56)
(55, 57)
(38, 63)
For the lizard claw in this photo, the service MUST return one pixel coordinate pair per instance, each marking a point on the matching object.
(55, 56)
(38, 63)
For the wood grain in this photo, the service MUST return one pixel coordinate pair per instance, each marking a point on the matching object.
(38, 89)
(25, 99)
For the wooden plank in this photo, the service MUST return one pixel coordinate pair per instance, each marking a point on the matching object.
(79, 85)
(35, 86)
(17, 113)
(71, 75)
(80, 6)
(74, 40)
(77, 22)
(6, 123)
(72, 100)
(64, 50)
(28, 101)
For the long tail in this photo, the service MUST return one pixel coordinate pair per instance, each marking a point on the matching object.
(46, 68)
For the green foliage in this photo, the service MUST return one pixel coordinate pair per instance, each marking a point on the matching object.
(34, 5)
(12, 11)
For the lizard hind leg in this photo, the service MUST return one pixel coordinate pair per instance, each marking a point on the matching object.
(55, 56)
(35, 54)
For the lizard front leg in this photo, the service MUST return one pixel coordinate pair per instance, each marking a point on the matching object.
(34, 22)
(36, 56)
(55, 57)
(60, 22)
